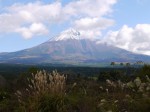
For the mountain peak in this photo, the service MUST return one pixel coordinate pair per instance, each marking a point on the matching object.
(67, 34)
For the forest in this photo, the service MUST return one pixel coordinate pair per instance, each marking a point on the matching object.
(30, 88)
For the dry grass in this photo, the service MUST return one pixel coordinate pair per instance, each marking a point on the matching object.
(42, 82)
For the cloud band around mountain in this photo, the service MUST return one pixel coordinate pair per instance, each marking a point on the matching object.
(135, 39)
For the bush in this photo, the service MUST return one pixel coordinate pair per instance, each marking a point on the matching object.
(145, 70)
(39, 85)
(52, 103)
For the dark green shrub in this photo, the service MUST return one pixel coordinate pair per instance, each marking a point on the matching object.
(145, 70)
(52, 103)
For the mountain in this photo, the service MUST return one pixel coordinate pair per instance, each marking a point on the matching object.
(70, 48)
(67, 34)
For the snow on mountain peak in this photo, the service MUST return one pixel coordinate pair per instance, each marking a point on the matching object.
(67, 34)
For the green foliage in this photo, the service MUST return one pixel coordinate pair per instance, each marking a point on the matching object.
(145, 70)
(112, 63)
(113, 75)
(109, 91)
(33, 70)
(4, 95)
(6, 101)
(103, 76)
(52, 103)
(138, 105)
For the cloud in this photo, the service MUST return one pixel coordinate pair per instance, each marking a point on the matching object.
(91, 27)
(34, 29)
(74, 13)
(29, 19)
(91, 8)
(89, 16)
(37, 12)
(135, 39)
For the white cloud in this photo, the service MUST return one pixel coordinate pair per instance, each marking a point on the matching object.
(9, 22)
(135, 39)
(34, 29)
(20, 17)
(91, 27)
(37, 11)
(94, 23)
(29, 19)
(89, 16)
(91, 8)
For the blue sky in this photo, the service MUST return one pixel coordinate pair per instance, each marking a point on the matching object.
(132, 12)
(122, 23)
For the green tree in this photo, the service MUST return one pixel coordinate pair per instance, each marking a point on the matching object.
(128, 64)
(121, 64)
(145, 70)
(112, 64)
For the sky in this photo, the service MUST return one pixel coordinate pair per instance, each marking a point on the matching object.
(122, 23)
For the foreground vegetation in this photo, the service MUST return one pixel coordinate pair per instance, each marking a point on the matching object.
(114, 90)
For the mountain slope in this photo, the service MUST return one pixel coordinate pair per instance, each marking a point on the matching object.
(69, 47)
